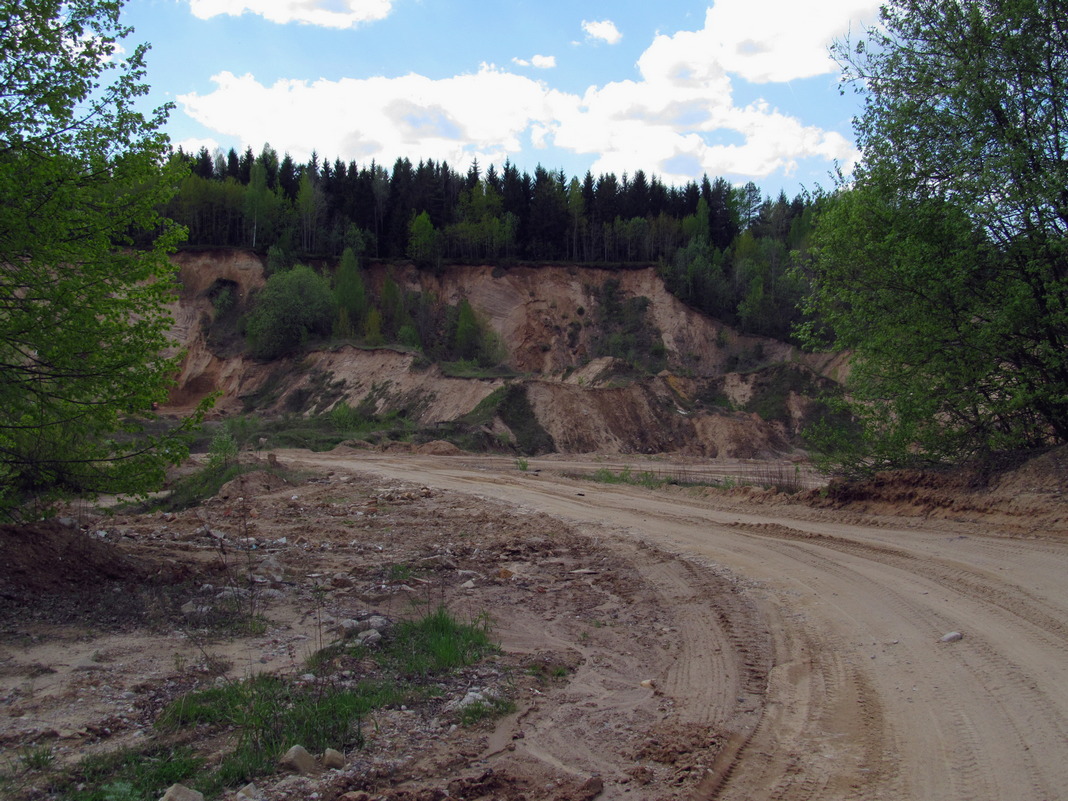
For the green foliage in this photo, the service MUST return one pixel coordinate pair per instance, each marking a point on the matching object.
(128, 775)
(944, 266)
(351, 292)
(422, 241)
(489, 709)
(293, 307)
(436, 643)
(270, 714)
(515, 411)
(467, 343)
(86, 274)
(624, 330)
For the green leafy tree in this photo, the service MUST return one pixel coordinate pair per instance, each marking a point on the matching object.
(351, 291)
(84, 268)
(293, 308)
(422, 241)
(467, 342)
(944, 264)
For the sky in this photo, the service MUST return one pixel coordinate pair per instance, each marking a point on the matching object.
(739, 89)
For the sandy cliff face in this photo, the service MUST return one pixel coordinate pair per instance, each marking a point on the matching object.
(545, 319)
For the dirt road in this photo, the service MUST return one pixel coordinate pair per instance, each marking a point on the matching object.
(811, 639)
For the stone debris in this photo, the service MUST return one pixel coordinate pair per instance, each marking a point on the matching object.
(179, 792)
(369, 637)
(952, 636)
(298, 760)
(591, 788)
(474, 696)
(333, 759)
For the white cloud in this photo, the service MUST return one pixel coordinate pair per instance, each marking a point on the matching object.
(324, 13)
(677, 119)
(605, 30)
(486, 114)
(762, 40)
(540, 62)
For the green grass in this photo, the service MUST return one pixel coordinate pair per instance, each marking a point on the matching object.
(266, 714)
(436, 643)
(129, 775)
(261, 717)
(645, 478)
(774, 476)
(269, 714)
(490, 709)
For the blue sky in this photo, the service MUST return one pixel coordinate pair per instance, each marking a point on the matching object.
(742, 89)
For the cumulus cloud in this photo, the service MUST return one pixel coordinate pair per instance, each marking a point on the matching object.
(540, 62)
(604, 30)
(677, 118)
(486, 115)
(324, 13)
(760, 40)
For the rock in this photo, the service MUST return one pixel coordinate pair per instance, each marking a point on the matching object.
(355, 795)
(232, 593)
(250, 792)
(591, 788)
(192, 608)
(348, 627)
(369, 637)
(952, 636)
(333, 759)
(474, 696)
(468, 585)
(179, 792)
(377, 622)
(648, 684)
(298, 760)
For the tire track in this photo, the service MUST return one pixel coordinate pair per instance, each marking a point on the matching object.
(1014, 600)
(1026, 716)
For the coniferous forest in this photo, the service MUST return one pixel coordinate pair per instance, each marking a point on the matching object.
(725, 250)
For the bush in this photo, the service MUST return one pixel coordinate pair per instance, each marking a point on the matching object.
(293, 307)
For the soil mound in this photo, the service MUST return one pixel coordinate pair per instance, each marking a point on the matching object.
(50, 557)
(1032, 492)
(439, 448)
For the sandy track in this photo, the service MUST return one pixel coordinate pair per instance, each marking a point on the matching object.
(810, 639)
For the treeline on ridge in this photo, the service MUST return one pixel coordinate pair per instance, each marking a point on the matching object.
(725, 250)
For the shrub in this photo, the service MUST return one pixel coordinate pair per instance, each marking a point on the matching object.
(293, 307)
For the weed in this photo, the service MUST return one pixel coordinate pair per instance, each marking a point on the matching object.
(436, 643)
(522, 464)
(398, 573)
(269, 714)
(128, 775)
(38, 757)
(489, 709)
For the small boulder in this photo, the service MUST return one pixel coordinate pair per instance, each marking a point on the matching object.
(590, 789)
(333, 759)
(369, 637)
(179, 792)
(298, 760)
(952, 636)
(377, 622)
